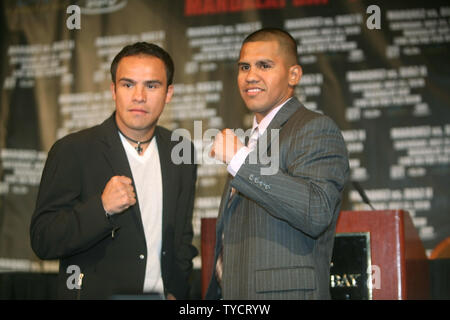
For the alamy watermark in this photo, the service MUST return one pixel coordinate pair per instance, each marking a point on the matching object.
(74, 20)
(74, 281)
(266, 152)
(374, 20)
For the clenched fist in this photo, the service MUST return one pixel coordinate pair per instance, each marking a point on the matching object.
(118, 195)
(226, 145)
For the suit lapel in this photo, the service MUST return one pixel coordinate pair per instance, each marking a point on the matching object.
(226, 208)
(279, 120)
(113, 149)
(223, 207)
(167, 176)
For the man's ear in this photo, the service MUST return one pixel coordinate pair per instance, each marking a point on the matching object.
(169, 93)
(113, 90)
(295, 74)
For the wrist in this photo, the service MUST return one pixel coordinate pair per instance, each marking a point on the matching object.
(237, 161)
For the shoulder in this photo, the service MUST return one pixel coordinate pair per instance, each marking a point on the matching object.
(177, 144)
(76, 141)
(172, 138)
(163, 133)
(306, 118)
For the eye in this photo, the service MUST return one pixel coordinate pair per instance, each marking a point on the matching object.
(266, 66)
(127, 85)
(244, 67)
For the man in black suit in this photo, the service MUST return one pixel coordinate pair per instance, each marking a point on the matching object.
(112, 205)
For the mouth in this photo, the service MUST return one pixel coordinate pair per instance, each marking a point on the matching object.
(137, 111)
(253, 91)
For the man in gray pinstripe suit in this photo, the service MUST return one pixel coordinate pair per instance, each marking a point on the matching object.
(275, 230)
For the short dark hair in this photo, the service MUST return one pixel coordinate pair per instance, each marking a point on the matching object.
(144, 48)
(285, 40)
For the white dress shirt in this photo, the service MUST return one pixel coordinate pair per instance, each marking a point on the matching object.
(146, 170)
(239, 158)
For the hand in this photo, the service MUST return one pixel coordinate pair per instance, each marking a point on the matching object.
(170, 297)
(226, 145)
(118, 195)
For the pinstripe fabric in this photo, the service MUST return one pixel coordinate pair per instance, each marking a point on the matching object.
(279, 229)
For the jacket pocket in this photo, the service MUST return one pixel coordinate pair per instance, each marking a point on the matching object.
(282, 279)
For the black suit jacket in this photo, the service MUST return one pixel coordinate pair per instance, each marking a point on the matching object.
(69, 222)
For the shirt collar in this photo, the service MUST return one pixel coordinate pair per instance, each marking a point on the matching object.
(264, 123)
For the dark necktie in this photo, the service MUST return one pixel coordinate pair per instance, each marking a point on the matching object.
(219, 264)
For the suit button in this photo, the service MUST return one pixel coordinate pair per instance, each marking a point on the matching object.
(141, 256)
(163, 253)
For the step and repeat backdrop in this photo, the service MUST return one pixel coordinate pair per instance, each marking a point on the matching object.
(380, 69)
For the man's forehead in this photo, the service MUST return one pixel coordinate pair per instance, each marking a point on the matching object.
(265, 49)
(140, 61)
(144, 65)
(261, 47)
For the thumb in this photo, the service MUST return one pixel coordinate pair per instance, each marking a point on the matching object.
(125, 180)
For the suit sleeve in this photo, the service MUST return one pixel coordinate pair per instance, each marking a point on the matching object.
(185, 250)
(62, 224)
(306, 193)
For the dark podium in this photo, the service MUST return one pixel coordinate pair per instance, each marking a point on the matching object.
(397, 257)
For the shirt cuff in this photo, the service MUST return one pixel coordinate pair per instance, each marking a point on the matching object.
(237, 161)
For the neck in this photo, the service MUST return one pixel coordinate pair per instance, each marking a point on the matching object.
(139, 139)
(259, 116)
(135, 134)
(138, 135)
(136, 141)
(139, 145)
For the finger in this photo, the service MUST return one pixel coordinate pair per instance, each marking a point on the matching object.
(220, 135)
(124, 207)
(212, 152)
(127, 202)
(111, 182)
(227, 132)
(128, 188)
(125, 180)
(130, 201)
(224, 147)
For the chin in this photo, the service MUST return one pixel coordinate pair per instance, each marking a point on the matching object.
(257, 108)
(140, 125)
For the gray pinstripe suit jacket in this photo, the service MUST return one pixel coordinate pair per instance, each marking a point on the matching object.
(278, 230)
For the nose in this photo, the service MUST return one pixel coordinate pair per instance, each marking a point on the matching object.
(252, 76)
(139, 95)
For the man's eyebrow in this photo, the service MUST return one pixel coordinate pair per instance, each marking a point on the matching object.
(146, 81)
(127, 80)
(152, 82)
(263, 61)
